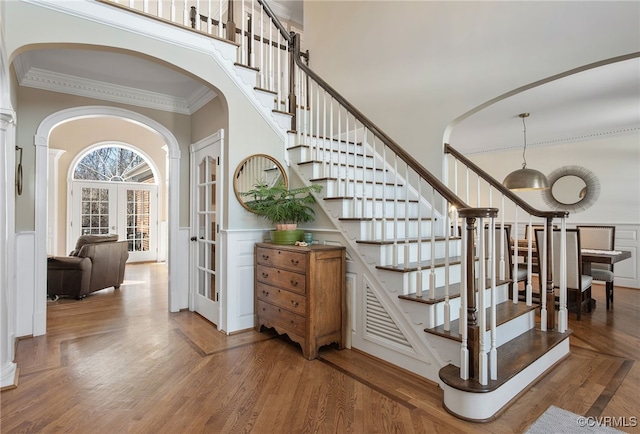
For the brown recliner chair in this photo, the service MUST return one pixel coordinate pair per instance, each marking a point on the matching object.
(97, 262)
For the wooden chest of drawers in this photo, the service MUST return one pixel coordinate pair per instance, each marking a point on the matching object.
(300, 291)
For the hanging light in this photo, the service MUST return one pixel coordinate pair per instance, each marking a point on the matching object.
(525, 179)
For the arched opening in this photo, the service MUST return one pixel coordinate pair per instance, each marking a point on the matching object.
(42, 138)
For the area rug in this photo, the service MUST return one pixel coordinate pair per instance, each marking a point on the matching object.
(558, 421)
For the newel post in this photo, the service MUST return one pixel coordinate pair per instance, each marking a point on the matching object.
(550, 293)
(473, 332)
(470, 215)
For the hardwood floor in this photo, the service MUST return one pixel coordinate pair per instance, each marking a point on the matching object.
(118, 362)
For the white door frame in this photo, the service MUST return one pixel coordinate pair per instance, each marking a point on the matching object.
(41, 142)
(216, 139)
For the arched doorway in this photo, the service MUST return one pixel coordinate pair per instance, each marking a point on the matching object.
(42, 144)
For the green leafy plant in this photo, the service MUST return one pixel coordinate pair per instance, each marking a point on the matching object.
(281, 205)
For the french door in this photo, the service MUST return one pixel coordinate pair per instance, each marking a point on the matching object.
(127, 209)
(205, 226)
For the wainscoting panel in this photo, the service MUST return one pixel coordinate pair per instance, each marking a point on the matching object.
(25, 284)
(626, 272)
(237, 284)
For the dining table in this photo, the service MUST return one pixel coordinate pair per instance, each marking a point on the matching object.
(609, 257)
(589, 256)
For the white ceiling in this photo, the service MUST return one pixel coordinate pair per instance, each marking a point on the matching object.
(597, 102)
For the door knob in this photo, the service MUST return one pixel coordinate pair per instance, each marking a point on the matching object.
(194, 238)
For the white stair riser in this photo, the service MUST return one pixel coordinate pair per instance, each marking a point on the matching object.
(341, 158)
(315, 170)
(354, 208)
(377, 229)
(481, 407)
(405, 283)
(312, 144)
(350, 188)
(384, 254)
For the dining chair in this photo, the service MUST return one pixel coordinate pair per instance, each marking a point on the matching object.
(578, 284)
(505, 254)
(600, 238)
(529, 231)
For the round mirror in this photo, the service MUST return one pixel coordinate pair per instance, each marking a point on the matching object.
(258, 169)
(573, 188)
(566, 189)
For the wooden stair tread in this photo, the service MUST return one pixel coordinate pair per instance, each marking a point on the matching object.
(359, 181)
(359, 166)
(315, 136)
(366, 219)
(377, 199)
(513, 357)
(440, 293)
(505, 312)
(413, 266)
(283, 112)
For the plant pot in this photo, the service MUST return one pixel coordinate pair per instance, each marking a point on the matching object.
(287, 237)
(286, 226)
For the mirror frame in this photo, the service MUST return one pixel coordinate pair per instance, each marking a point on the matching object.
(236, 174)
(592, 189)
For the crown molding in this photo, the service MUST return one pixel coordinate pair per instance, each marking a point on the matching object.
(64, 83)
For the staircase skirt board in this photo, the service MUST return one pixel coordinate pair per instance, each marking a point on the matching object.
(521, 362)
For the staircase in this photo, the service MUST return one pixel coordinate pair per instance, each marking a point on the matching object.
(427, 296)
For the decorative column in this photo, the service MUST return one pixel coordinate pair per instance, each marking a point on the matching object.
(8, 369)
(52, 202)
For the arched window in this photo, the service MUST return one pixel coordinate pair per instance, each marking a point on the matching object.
(113, 164)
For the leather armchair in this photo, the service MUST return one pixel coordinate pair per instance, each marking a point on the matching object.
(97, 262)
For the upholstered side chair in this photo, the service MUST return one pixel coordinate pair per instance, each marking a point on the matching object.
(578, 284)
(600, 238)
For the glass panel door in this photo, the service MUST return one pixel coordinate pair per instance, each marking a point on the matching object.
(129, 210)
(205, 184)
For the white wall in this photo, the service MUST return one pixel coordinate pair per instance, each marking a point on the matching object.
(413, 67)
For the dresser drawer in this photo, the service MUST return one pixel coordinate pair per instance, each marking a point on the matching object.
(286, 299)
(281, 278)
(273, 316)
(294, 261)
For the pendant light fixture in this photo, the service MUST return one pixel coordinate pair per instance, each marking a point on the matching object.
(525, 179)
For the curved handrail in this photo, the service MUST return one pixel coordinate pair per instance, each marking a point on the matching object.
(404, 155)
(276, 22)
(502, 189)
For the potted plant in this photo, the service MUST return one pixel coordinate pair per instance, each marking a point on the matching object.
(283, 207)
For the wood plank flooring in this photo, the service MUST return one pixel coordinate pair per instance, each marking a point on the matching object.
(119, 362)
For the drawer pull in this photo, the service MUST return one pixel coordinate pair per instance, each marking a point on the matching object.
(294, 261)
(294, 303)
(265, 257)
(265, 292)
(294, 283)
(265, 275)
